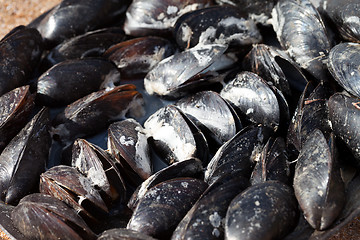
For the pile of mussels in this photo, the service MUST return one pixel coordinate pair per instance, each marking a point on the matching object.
(194, 119)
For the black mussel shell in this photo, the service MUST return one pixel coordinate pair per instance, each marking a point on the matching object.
(40, 216)
(237, 154)
(123, 234)
(187, 168)
(136, 57)
(164, 205)
(90, 44)
(302, 33)
(174, 137)
(20, 52)
(218, 24)
(67, 184)
(273, 164)
(266, 210)
(150, 17)
(7, 227)
(71, 18)
(344, 66)
(16, 107)
(258, 10)
(70, 80)
(97, 165)
(24, 159)
(173, 76)
(311, 113)
(346, 18)
(96, 111)
(274, 65)
(127, 142)
(344, 114)
(254, 98)
(212, 114)
(318, 186)
(205, 219)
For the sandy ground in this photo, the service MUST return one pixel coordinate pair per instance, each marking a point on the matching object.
(21, 12)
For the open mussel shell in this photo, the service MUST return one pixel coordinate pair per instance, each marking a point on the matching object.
(16, 107)
(217, 24)
(70, 80)
(254, 98)
(173, 76)
(205, 219)
(123, 234)
(127, 142)
(136, 57)
(24, 159)
(237, 154)
(311, 113)
(346, 18)
(301, 32)
(94, 112)
(90, 44)
(71, 18)
(151, 17)
(174, 137)
(344, 66)
(163, 206)
(266, 210)
(97, 165)
(69, 185)
(344, 114)
(274, 65)
(318, 186)
(40, 216)
(187, 168)
(212, 114)
(273, 163)
(21, 50)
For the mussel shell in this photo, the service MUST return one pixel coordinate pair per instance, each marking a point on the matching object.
(218, 24)
(264, 211)
(346, 17)
(48, 218)
(7, 227)
(123, 234)
(237, 153)
(40, 216)
(150, 17)
(96, 111)
(173, 75)
(317, 182)
(67, 184)
(174, 137)
(20, 52)
(90, 44)
(15, 109)
(301, 31)
(136, 57)
(254, 98)
(344, 114)
(70, 80)
(206, 217)
(24, 159)
(273, 164)
(187, 168)
(71, 18)
(99, 168)
(127, 142)
(212, 114)
(344, 66)
(164, 205)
